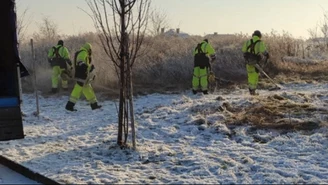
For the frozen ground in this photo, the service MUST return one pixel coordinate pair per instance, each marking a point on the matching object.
(182, 139)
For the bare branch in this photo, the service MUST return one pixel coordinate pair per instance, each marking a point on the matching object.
(22, 24)
(158, 20)
(121, 39)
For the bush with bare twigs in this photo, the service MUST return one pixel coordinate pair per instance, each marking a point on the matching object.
(167, 62)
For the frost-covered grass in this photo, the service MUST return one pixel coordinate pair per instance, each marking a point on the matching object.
(226, 137)
(166, 60)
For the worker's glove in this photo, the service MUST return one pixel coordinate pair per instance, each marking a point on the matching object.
(213, 57)
(65, 75)
(266, 54)
(69, 68)
(211, 77)
(92, 68)
(69, 71)
(69, 62)
(90, 78)
(245, 56)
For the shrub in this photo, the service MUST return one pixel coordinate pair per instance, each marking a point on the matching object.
(167, 61)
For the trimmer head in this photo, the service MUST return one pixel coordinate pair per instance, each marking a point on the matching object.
(275, 88)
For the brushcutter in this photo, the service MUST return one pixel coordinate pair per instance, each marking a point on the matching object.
(211, 78)
(277, 87)
(211, 82)
(91, 77)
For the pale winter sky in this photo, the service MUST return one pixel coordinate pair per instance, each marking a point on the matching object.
(194, 16)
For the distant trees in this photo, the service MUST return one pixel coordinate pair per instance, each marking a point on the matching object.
(23, 21)
(22, 25)
(48, 30)
(46, 36)
(158, 20)
(320, 30)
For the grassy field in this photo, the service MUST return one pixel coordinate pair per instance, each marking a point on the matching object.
(166, 62)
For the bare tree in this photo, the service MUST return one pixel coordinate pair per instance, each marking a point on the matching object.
(158, 20)
(121, 39)
(22, 24)
(324, 28)
(48, 29)
(313, 32)
(23, 21)
(320, 31)
(44, 39)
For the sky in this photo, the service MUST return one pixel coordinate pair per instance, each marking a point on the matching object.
(181, 139)
(195, 17)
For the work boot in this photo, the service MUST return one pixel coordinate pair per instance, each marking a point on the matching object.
(205, 92)
(54, 90)
(70, 106)
(95, 106)
(252, 92)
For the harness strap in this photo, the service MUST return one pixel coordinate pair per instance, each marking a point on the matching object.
(199, 48)
(56, 52)
(75, 57)
(252, 46)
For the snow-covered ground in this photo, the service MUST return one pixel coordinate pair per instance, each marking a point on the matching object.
(181, 139)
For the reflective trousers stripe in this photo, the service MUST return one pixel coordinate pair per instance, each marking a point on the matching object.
(199, 79)
(253, 76)
(86, 90)
(56, 73)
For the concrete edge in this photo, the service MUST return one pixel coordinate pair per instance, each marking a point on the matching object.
(26, 172)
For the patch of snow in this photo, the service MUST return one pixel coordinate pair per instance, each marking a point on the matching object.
(181, 139)
(312, 60)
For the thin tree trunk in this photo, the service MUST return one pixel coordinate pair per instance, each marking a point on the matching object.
(129, 88)
(122, 79)
(123, 19)
(129, 77)
(121, 105)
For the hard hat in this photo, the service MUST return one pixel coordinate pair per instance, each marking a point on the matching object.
(60, 42)
(87, 46)
(257, 33)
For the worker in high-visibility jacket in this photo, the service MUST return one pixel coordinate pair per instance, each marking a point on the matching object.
(59, 59)
(254, 52)
(203, 55)
(84, 75)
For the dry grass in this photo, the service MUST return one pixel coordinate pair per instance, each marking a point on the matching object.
(276, 112)
(166, 62)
